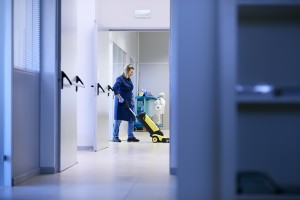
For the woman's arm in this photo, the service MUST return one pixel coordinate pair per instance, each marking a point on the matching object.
(116, 87)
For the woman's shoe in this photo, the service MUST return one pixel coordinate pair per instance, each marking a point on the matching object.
(116, 139)
(133, 139)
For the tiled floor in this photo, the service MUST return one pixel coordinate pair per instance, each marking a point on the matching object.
(126, 171)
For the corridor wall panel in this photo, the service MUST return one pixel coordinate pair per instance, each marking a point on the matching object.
(26, 125)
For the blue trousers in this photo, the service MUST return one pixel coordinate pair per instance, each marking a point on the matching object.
(129, 129)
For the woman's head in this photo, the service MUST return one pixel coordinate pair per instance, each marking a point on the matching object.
(128, 70)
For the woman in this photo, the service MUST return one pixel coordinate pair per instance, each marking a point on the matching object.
(125, 100)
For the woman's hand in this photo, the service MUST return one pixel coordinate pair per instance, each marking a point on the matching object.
(121, 100)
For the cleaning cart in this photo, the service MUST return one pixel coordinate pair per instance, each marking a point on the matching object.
(144, 104)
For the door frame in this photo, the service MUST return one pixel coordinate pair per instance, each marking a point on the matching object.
(6, 92)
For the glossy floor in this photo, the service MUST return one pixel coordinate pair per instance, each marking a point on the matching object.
(127, 171)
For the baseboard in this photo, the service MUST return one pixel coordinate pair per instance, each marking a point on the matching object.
(90, 148)
(20, 178)
(48, 170)
(173, 171)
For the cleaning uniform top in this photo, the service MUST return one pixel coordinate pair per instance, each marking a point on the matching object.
(124, 87)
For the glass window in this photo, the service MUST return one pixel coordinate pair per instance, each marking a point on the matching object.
(134, 78)
(120, 60)
(27, 34)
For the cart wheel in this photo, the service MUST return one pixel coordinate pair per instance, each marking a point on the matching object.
(154, 139)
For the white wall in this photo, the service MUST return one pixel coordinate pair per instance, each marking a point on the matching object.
(119, 14)
(154, 66)
(128, 41)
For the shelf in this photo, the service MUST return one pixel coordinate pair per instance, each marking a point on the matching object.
(267, 100)
(269, 10)
(268, 122)
(146, 98)
(268, 197)
(268, 2)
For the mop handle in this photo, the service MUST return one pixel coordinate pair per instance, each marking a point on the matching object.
(132, 112)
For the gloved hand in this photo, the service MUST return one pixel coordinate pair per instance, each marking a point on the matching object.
(121, 100)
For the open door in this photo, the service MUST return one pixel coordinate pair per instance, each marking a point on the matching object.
(69, 80)
(101, 49)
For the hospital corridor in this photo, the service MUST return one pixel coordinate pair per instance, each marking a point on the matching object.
(124, 171)
(149, 100)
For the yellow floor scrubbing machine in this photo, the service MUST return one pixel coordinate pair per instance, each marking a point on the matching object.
(156, 134)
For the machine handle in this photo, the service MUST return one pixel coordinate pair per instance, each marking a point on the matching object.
(64, 75)
(99, 86)
(77, 79)
(109, 88)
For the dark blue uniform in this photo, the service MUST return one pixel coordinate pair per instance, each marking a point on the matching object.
(124, 87)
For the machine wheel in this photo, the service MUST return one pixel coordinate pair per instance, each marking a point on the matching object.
(166, 140)
(154, 139)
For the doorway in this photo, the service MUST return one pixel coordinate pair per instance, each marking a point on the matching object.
(110, 54)
(148, 51)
